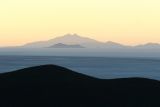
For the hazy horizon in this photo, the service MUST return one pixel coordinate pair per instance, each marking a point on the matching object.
(84, 37)
(126, 21)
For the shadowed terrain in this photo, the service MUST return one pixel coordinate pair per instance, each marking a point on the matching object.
(55, 86)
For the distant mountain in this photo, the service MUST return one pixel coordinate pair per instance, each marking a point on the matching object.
(55, 86)
(149, 45)
(61, 45)
(66, 39)
(70, 39)
(111, 44)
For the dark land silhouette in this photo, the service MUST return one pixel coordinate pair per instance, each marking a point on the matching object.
(55, 86)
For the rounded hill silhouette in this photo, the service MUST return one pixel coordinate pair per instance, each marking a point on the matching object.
(44, 73)
(55, 86)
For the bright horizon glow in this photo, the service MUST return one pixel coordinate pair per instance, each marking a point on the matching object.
(128, 22)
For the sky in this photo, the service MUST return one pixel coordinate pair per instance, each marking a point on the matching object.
(128, 22)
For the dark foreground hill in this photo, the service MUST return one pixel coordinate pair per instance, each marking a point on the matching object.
(54, 86)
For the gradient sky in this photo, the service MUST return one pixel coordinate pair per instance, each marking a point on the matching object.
(125, 21)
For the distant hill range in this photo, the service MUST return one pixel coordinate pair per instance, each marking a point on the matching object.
(61, 45)
(75, 45)
(55, 86)
(80, 41)
(149, 45)
(70, 39)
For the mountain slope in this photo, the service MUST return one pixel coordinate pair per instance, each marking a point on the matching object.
(70, 39)
(61, 45)
(149, 45)
(55, 86)
(111, 44)
(45, 73)
(66, 39)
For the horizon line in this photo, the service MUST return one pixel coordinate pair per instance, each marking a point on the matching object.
(75, 34)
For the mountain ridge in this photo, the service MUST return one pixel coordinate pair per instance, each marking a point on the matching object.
(73, 39)
(86, 42)
(44, 73)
